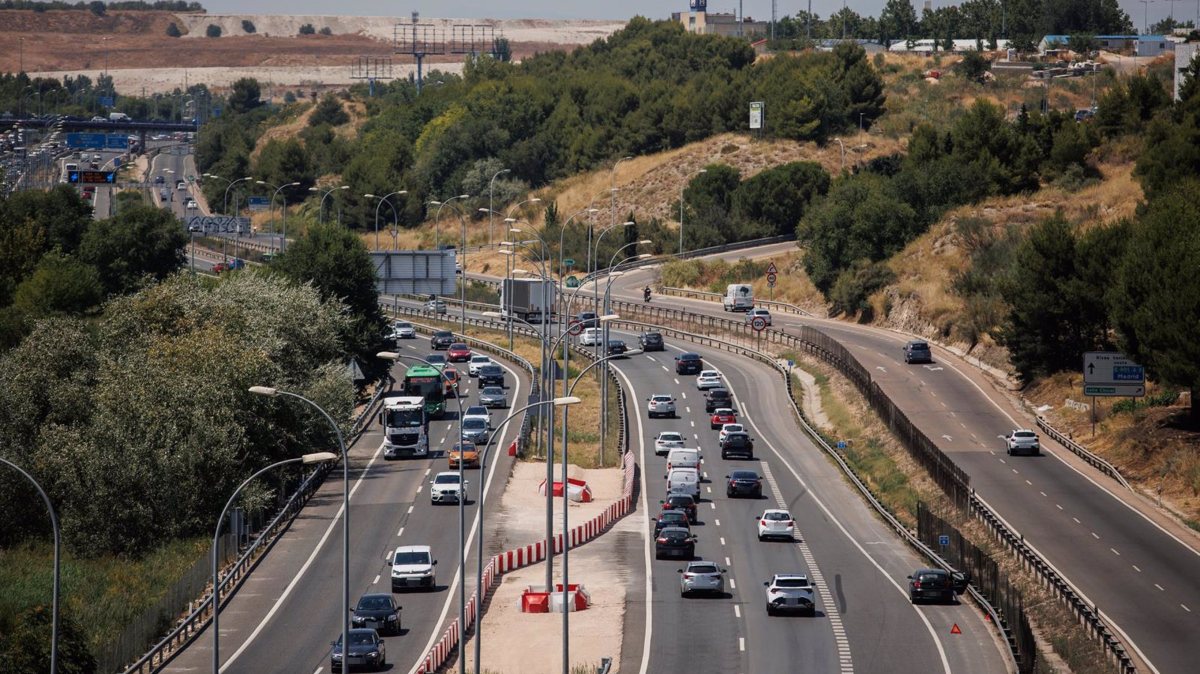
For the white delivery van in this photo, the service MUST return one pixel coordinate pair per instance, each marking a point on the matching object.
(684, 481)
(738, 297)
(683, 458)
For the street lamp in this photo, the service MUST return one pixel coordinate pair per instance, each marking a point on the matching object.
(271, 392)
(283, 241)
(563, 402)
(437, 219)
(490, 182)
(57, 545)
(317, 457)
(685, 182)
(377, 206)
(594, 261)
(321, 207)
(842, 165)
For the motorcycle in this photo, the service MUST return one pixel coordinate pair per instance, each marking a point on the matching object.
(646, 295)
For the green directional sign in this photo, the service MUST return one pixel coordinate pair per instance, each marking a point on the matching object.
(570, 262)
(572, 282)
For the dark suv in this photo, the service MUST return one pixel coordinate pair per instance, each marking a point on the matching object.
(442, 339)
(917, 352)
(716, 398)
(681, 502)
(651, 341)
(737, 444)
(936, 584)
(588, 319)
(616, 348)
(688, 363)
(491, 375)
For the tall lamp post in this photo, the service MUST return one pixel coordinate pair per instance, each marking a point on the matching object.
(57, 545)
(437, 219)
(383, 199)
(490, 218)
(321, 207)
(318, 457)
(681, 189)
(283, 210)
(593, 264)
(272, 392)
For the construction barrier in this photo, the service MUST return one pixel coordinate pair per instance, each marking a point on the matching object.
(533, 553)
(577, 490)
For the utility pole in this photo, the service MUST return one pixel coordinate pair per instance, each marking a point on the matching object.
(741, 18)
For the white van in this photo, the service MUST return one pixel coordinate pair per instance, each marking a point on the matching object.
(738, 297)
(684, 481)
(683, 458)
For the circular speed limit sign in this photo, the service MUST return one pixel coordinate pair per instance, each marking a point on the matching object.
(575, 328)
(771, 278)
(758, 323)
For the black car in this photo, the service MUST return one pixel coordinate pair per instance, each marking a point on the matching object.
(917, 352)
(651, 341)
(671, 518)
(743, 483)
(588, 319)
(737, 444)
(936, 584)
(616, 348)
(716, 398)
(442, 339)
(378, 612)
(683, 502)
(436, 359)
(674, 542)
(366, 649)
(491, 375)
(688, 363)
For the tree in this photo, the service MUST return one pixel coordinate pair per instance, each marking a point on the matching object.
(326, 30)
(973, 65)
(248, 26)
(328, 111)
(173, 30)
(712, 190)
(307, 29)
(1158, 295)
(897, 20)
(25, 648)
(138, 242)
(97, 7)
(59, 285)
(282, 162)
(245, 95)
(1189, 87)
(781, 195)
(502, 50)
(213, 30)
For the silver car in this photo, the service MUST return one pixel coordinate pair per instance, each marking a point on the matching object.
(493, 396)
(666, 441)
(403, 330)
(661, 406)
(475, 429)
(701, 577)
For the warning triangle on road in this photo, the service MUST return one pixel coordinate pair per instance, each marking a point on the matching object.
(955, 630)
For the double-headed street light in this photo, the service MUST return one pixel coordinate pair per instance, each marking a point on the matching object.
(490, 183)
(383, 199)
(321, 207)
(227, 188)
(57, 545)
(282, 242)
(317, 457)
(271, 392)
(437, 219)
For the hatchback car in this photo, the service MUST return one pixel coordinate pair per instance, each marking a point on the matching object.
(366, 650)
(683, 502)
(651, 341)
(1022, 441)
(671, 518)
(590, 337)
(491, 375)
(464, 451)
(453, 377)
(727, 429)
(675, 542)
(660, 405)
(458, 353)
(775, 523)
(475, 430)
(716, 398)
(688, 363)
(933, 584)
(743, 483)
(377, 611)
(493, 396)
(709, 379)
(617, 348)
(720, 417)
(758, 313)
(403, 330)
(917, 352)
(477, 361)
(666, 441)
(442, 339)
(701, 577)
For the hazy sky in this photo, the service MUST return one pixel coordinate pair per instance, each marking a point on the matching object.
(608, 9)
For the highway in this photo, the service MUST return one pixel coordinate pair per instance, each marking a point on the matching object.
(1065, 510)
(864, 623)
(289, 610)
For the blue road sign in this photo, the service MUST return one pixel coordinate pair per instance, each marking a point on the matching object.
(943, 540)
(258, 203)
(106, 101)
(115, 141)
(116, 161)
(841, 444)
(88, 140)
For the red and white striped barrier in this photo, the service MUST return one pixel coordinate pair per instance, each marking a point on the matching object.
(526, 556)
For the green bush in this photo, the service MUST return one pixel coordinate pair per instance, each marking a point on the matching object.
(1164, 398)
(213, 30)
(326, 31)
(307, 29)
(248, 26)
(173, 30)
(328, 111)
(854, 287)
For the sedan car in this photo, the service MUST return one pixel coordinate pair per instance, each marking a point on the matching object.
(775, 523)
(743, 483)
(709, 379)
(436, 306)
(474, 431)
(491, 375)
(442, 339)
(617, 348)
(403, 330)
(666, 441)
(917, 352)
(378, 612)
(682, 502)
(466, 451)
(651, 341)
(722, 416)
(458, 353)
(688, 363)
(444, 488)
(935, 584)
(701, 577)
(366, 650)
(477, 361)
(790, 592)
(1022, 441)
(660, 405)
(671, 518)
(675, 542)
(493, 396)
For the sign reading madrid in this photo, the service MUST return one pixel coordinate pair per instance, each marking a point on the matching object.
(1106, 373)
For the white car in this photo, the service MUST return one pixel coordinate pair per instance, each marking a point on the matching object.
(708, 379)
(403, 330)
(775, 523)
(436, 306)
(758, 313)
(726, 429)
(412, 566)
(444, 488)
(790, 592)
(660, 406)
(477, 412)
(477, 361)
(1022, 441)
(190, 204)
(590, 337)
(666, 441)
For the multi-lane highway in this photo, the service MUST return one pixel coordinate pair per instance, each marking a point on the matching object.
(285, 616)
(1138, 569)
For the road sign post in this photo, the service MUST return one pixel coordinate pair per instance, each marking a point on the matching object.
(1110, 374)
(772, 275)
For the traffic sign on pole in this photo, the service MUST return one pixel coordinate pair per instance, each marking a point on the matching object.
(758, 323)
(771, 276)
(1106, 373)
(572, 282)
(771, 269)
(575, 327)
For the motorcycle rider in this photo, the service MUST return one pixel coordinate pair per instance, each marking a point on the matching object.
(646, 294)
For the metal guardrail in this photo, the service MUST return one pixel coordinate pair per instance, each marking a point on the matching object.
(784, 307)
(195, 622)
(1084, 453)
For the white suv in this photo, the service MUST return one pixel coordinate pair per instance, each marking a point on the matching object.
(1022, 441)
(661, 406)
(477, 361)
(790, 592)
(774, 523)
(590, 337)
(445, 488)
(758, 313)
(412, 566)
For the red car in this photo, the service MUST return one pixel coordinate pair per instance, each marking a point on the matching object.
(721, 417)
(458, 353)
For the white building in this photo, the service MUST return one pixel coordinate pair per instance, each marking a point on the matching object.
(1184, 53)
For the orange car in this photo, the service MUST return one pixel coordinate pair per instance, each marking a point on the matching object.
(450, 382)
(470, 455)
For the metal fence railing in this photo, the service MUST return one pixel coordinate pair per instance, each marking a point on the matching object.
(784, 307)
(1082, 452)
